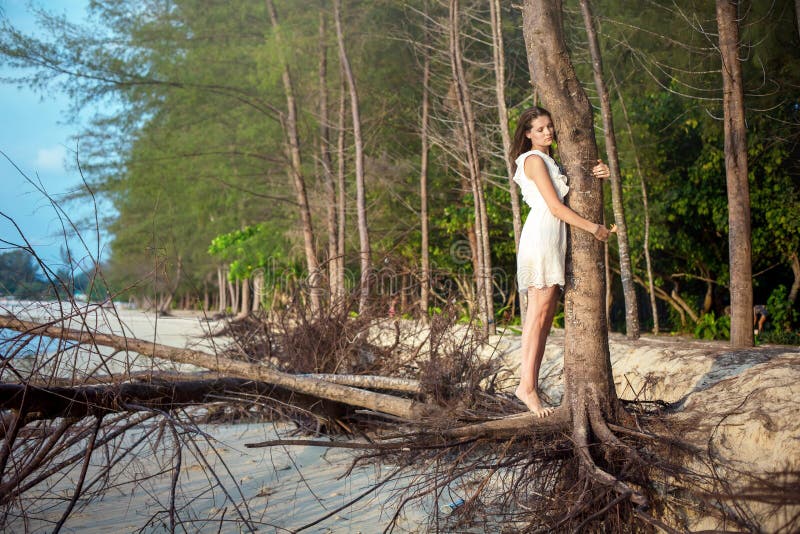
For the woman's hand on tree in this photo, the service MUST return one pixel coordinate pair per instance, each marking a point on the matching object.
(601, 170)
(602, 233)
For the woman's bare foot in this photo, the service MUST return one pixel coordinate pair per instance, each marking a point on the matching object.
(533, 402)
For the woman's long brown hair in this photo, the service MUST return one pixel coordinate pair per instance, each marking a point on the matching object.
(521, 143)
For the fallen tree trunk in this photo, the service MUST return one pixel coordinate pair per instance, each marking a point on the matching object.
(76, 402)
(379, 402)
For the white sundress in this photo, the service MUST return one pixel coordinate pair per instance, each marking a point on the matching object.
(543, 243)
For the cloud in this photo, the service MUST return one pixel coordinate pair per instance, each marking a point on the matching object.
(51, 158)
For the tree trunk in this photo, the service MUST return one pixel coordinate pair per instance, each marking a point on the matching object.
(589, 394)
(222, 280)
(341, 188)
(400, 407)
(258, 290)
(499, 61)
(361, 202)
(741, 288)
(244, 311)
(628, 285)
(587, 364)
(797, 14)
(646, 210)
(483, 268)
(289, 123)
(327, 167)
(796, 271)
(165, 302)
(425, 263)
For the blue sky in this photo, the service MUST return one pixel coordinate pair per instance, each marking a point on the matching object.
(36, 137)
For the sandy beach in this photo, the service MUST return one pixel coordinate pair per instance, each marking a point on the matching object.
(750, 396)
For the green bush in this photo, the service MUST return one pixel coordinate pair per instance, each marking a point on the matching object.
(711, 327)
(781, 313)
(779, 337)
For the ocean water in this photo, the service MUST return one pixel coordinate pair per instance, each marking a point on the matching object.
(15, 344)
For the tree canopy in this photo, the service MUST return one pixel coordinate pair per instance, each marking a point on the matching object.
(194, 151)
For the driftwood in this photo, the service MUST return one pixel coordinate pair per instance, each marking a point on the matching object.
(58, 401)
(170, 390)
(400, 407)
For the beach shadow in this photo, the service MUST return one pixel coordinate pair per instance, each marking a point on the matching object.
(732, 364)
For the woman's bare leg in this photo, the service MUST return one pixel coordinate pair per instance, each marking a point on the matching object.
(538, 320)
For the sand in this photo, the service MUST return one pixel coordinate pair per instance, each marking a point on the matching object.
(749, 397)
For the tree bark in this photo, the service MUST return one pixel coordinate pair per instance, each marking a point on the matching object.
(336, 293)
(796, 271)
(741, 288)
(244, 311)
(646, 210)
(797, 14)
(341, 188)
(258, 290)
(499, 61)
(425, 263)
(587, 364)
(222, 281)
(628, 285)
(289, 122)
(483, 268)
(358, 140)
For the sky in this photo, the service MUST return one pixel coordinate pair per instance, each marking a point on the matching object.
(36, 137)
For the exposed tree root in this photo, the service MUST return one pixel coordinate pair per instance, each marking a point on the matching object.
(590, 471)
(580, 435)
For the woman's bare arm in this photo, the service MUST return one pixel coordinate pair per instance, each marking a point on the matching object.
(536, 170)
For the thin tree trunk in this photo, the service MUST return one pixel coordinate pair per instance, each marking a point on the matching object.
(244, 311)
(646, 210)
(327, 164)
(796, 283)
(341, 188)
(682, 303)
(258, 290)
(222, 280)
(741, 288)
(234, 294)
(609, 281)
(483, 267)
(296, 169)
(628, 286)
(361, 202)
(797, 14)
(165, 302)
(499, 61)
(425, 278)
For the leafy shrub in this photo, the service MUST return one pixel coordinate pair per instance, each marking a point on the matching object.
(711, 327)
(781, 313)
(779, 337)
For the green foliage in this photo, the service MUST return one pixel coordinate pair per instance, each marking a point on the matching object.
(711, 327)
(21, 276)
(193, 152)
(779, 337)
(782, 314)
(558, 319)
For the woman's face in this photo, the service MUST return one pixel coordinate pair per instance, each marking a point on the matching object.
(541, 133)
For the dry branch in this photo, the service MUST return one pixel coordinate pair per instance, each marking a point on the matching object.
(74, 402)
(379, 402)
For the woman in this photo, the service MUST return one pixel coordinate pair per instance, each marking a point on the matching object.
(543, 243)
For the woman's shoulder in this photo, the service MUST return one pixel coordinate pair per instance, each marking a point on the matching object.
(545, 157)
